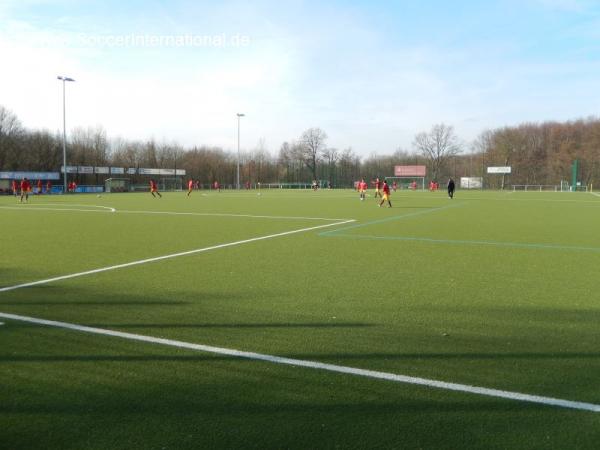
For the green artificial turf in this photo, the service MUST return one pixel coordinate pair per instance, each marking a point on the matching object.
(489, 289)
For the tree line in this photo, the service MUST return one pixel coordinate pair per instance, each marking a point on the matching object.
(539, 154)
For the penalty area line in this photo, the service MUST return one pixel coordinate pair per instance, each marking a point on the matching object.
(489, 392)
(173, 255)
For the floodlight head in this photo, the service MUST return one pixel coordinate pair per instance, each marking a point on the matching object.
(241, 115)
(65, 78)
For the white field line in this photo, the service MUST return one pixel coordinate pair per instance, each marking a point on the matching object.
(43, 208)
(534, 200)
(173, 255)
(72, 204)
(250, 216)
(517, 396)
(171, 213)
(595, 193)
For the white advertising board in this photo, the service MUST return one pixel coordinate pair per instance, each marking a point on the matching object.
(86, 169)
(470, 182)
(503, 169)
(146, 171)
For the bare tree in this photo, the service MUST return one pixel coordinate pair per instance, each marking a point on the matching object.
(310, 148)
(45, 151)
(331, 156)
(260, 159)
(438, 146)
(11, 132)
(349, 167)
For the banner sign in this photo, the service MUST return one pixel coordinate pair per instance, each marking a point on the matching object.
(101, 169)
(164, 172)
(70, 169)
(117, 170)
(86, 169)
(505, 169)
(470, 182)
(30, 175)
(131, 171)
(409, 171)
(90, 189)
(149, 171)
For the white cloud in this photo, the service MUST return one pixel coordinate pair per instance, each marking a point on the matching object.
(365, 87)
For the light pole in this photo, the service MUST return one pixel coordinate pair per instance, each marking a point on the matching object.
(239, 115)
(64, 80)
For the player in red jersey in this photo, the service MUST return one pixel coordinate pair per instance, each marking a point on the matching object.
(48, 187)
(394, 186)
(362, 189)
(154, 189)
(190, 187)
(377, 188)
(15, 188)
(25, 188)
(386, 195)
(39, 187)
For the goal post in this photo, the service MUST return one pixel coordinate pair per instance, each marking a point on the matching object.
(405, 182)
(116, 185)
(412, 173)
(171, 184)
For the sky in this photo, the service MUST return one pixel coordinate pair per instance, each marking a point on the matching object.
(371, 74)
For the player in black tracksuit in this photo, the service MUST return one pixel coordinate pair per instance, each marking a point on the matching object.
(451, 188)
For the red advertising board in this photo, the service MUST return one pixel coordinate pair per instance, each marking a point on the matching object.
(409, 171)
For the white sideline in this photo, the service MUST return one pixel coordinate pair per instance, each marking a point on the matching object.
(43, 208)
(517, 396)
(173, 255)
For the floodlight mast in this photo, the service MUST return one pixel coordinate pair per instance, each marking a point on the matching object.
(64, 80)
(239, 115)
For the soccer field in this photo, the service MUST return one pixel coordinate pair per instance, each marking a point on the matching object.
(300, 319)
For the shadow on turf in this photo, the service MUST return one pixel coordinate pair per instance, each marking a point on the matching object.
(233, 325)
(181, 407)
(116, 303)
(311, 357)
(59, 295)
(115, 326)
